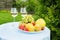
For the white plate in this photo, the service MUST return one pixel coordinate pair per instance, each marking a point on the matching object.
(30, 32)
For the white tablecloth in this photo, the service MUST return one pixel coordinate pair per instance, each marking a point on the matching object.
(10, 31)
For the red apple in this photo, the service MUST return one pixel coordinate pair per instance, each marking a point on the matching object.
(26, 29)
(22, 26)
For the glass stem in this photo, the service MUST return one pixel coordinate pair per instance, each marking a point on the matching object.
(14, 19)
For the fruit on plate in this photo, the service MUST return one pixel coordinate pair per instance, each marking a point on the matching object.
(28, 24)
(28, 19)
(22, 26)
(37, 27)
(26, 29)
(30, 27)
(41, 22)
(33, 23)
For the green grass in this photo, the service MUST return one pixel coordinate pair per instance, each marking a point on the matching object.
(5, 16)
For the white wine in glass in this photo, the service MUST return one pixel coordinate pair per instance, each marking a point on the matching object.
(14, 13)
(23, 11)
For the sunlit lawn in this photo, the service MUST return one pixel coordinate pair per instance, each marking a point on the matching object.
(5, 16)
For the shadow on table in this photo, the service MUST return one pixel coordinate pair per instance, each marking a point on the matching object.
(2, 39)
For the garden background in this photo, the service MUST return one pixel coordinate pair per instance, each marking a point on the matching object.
(49, 10)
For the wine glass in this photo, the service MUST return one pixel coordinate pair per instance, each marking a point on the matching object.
(23, 11)
(14, 13)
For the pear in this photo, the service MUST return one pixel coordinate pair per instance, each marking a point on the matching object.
(30, 27)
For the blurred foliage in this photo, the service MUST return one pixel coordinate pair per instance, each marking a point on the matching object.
(21, 3)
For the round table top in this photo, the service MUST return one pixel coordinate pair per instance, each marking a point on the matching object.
(10, 31)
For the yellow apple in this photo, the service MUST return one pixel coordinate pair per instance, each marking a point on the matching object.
(41, 22)
(37, 27)
(30, 27)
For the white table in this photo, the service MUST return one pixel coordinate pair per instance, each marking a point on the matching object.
(9, 31)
